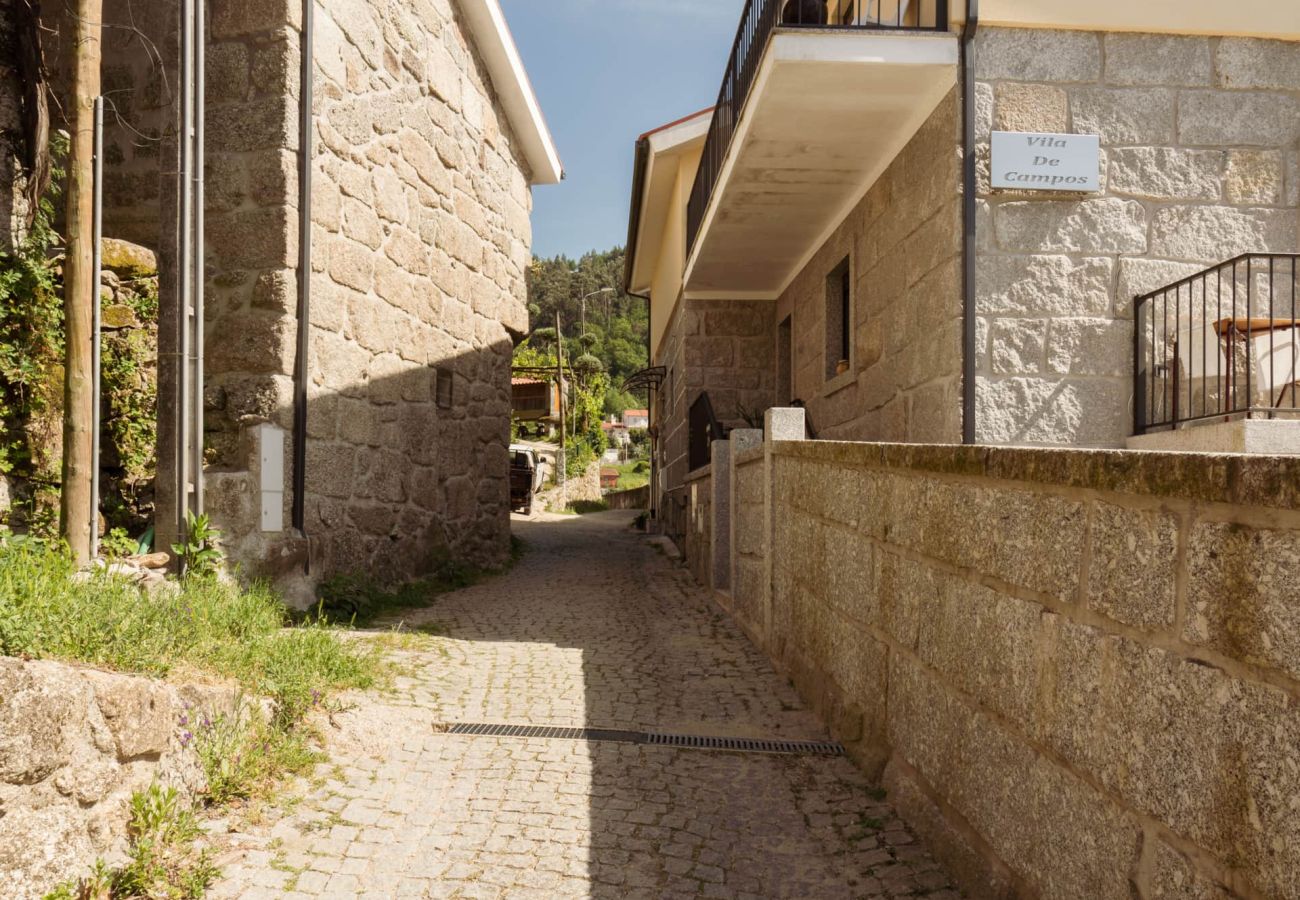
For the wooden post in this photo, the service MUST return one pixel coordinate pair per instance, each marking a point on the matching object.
(559, 372)
(79, 288)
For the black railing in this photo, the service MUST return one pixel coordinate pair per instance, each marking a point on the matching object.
(1218, 345)
(703, 428)
(757, 23)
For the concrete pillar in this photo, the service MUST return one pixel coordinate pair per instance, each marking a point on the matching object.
(741, 439)
(720, 558)
(779, 424)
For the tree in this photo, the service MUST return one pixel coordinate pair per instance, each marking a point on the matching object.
(80, 291)
(617, 325)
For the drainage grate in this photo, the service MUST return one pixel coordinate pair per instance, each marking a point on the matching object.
(608, 735)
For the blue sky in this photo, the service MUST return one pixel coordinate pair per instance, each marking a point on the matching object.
(605, 72)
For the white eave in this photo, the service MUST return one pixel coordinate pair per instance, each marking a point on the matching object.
(827, 113)
(665, 144)
(506, 68)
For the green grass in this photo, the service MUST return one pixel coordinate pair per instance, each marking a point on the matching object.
(633, 475)
(582, 507)
(204, 624)
(199, 626)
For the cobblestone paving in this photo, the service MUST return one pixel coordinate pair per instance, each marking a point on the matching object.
(594, 628)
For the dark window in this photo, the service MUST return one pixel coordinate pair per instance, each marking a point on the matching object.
(443, 388)
(839, 317)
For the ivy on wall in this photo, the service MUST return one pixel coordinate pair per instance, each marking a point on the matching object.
(32, 374)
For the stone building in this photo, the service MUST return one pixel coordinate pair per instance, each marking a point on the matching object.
(830, 235)
(1069, 664)
(357, 396)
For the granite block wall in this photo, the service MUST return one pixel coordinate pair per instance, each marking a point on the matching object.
(903, 241)
(75, 743)
(1200, 142)
(421, 240)
(724, 347)
(1075, 671)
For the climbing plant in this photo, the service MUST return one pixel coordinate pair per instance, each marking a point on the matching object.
(31, 339)
(31, 377)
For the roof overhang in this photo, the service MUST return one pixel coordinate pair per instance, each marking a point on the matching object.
(497, 46)
(658, 154)
(828, 113)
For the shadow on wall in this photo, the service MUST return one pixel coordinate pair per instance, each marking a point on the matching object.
(406, 462)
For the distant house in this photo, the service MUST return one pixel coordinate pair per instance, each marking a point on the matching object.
(636, 418)
(608, 479)
(535, 400)
(616, 432)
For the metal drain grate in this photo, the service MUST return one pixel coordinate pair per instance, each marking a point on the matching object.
(608, 735)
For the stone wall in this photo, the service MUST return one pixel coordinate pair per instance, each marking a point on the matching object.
(696, 543)
(633, 498)
(1200, 139)
(420, 241)
(724, 347)
(252, 250)
(421, 232)
(904, 245)
(1075, 671)
(748, 540)
(74, 745)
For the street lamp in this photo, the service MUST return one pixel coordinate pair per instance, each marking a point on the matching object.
(605, 290)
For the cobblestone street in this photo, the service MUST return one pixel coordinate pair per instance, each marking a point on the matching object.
(592, 628)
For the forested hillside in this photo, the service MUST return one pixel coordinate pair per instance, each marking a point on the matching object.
(615, 328)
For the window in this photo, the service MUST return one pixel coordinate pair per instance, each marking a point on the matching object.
(839, 319)
(443, 388)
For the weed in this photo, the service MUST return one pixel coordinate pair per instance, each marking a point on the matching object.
(163, 861)
(878, 794)
(199, 553)
(583, 507)
(243, 754)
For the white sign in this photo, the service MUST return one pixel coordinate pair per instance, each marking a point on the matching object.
(1046, 162)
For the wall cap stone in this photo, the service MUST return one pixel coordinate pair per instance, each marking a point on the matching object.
(1265, 481)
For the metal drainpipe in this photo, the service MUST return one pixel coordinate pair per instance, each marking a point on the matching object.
(96, 331)
(300, 367)
(199, 259)
(968, 431)
(185, 267)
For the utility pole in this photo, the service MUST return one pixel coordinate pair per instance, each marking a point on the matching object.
(80, 293)
(559, 374)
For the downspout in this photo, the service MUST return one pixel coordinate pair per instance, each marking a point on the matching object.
(968, 323)
(639, 164)
(300, 367)
(200, 257)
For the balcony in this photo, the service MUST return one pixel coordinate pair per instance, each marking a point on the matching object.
(1221, 347)
(816, 101)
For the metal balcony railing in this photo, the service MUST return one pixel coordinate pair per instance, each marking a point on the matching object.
(1221, 344)
(757, 23)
